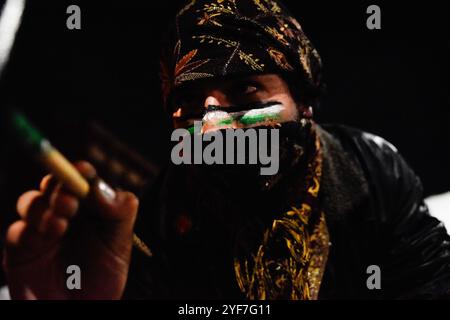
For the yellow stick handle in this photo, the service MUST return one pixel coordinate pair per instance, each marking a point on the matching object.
(69, 176)
(65, 172)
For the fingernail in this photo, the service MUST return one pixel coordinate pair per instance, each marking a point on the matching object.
(107, 192)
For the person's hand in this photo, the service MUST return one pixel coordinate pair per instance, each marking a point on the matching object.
(56, 230)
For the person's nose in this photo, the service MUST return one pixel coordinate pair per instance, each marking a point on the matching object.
(215, 98)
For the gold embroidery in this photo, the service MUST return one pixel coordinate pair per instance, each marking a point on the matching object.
(295, 23)
(250, 60)
(314, 189)
(271, 6)
(260, 6)
(274, 7)
(183, 70)
(274, 277)
(278, 36)
(246, 57)
(208, 19)
(320, 241)
(211, 39)
(304, 59)
(285, 29)
(186, 8)
(219, 8)
(290, 262)
(280, 59)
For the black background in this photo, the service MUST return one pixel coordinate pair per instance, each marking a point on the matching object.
(393, 82)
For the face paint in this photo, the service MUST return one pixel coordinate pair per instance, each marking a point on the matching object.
(264, 114)
(255, 116)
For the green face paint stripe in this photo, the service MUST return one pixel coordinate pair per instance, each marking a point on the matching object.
(191, 129)
(249, 120)
(225, 122)
(244, 119)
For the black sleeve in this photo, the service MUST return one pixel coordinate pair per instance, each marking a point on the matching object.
(416, 262)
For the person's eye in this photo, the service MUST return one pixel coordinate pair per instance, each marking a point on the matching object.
(246, 88)
(186, 99)
(250, 89)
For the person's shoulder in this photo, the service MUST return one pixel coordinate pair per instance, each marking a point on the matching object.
(356, 140)
(389, 175)
(381, 161)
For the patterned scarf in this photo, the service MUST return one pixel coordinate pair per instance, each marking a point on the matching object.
(291, 259)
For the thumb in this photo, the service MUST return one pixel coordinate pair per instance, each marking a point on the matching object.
(116, 212)
(114, 206)
(109, 204)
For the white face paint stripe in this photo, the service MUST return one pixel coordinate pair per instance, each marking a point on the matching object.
(216, 116)
(221, 118)
(265, 111)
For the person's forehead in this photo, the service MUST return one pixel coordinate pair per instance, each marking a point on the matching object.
(222, 82)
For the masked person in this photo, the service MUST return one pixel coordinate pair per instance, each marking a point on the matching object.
(342, 203)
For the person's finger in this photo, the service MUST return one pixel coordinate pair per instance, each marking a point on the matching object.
(20, 244)
(35, 215)
(64, 204)
(45, 182)
(48, 183)
(50, 189)
(86, 169)
(52, 226)
(15, 235)
(31, 201)
(24, 242)
(34, 208)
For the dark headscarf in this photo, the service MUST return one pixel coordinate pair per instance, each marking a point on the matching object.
(211, 38)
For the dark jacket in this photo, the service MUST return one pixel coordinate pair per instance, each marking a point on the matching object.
(375, 215)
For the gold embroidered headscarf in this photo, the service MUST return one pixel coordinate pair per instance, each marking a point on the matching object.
(211, 38)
